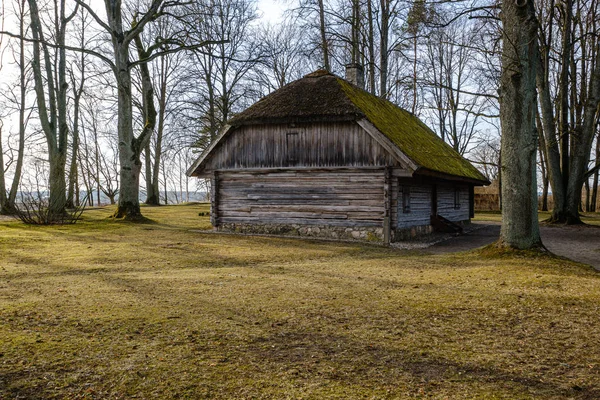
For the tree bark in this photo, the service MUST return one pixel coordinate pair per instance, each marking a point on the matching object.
(582, 142)
(371, 44)
(130, 146)
(383, 48)
(324, 45)
(594, 200)
(8, 206)
(52, 113)
(520, 228)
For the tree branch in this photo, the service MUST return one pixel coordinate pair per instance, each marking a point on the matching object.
(175, 50)
(56, 46)
(94, 15)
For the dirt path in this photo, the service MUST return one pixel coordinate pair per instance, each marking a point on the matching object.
(579, 243)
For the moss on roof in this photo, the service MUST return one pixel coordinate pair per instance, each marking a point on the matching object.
(322, 96)
(410, 134)
(316, 97)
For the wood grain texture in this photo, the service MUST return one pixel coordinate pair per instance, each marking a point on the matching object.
(420, 206)
(446, 202)
(309, 145)
(350, 197)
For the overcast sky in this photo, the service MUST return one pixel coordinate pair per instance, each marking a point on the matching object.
(269, 10)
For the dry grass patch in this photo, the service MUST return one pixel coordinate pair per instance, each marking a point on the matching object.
(107, 309)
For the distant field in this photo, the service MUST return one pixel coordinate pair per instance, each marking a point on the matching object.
(104, 310)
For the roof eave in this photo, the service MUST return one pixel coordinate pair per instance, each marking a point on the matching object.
(442, 175)
(196, 168)
(386, 143)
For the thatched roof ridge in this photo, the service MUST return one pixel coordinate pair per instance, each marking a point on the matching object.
(315, 98)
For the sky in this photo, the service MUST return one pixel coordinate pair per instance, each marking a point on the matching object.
(269, 10)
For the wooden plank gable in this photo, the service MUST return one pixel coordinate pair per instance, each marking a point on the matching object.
(315, 145)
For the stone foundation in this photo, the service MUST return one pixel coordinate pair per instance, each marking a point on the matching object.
(369, 234)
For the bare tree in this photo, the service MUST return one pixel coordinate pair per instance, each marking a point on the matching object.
(123, 38)
(52, 103)
(7, 206)
(569, 115)
(517, 115)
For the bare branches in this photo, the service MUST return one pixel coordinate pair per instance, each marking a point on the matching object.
(91, 12)
(44, 42)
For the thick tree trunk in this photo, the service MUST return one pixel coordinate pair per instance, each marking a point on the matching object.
(520, 53)
(563, 91)
(130, 146)
(128, 206)
(57, 197)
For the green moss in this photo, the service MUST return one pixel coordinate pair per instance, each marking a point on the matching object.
(411, 135)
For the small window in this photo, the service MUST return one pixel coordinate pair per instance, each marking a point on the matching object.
(456, 198)
(406, 199)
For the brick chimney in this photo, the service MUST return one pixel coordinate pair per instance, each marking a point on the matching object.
(355, 74)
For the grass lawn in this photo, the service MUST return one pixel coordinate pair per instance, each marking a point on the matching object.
(102, 310)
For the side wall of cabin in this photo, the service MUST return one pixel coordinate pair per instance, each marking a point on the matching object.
(339, 203)
(413, 205)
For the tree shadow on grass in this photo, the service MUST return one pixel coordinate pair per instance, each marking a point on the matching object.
(350, 362)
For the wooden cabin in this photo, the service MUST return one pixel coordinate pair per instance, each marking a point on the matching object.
(322, 157)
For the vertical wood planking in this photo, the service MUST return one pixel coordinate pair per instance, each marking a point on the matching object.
(319, 145)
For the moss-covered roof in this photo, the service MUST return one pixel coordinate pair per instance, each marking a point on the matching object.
(410, 134)
(322, 96)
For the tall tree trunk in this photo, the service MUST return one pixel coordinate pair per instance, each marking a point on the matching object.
(543, 163)
(2, 180)
(8, 206)
(582, 142)
(517, 116)
(130, 146)
(72, 193)
(383, 48)
(52, 113)
(553, 155)
(563, 91)
(594, 200)
(324, 44)
(153, 191)
(371, 44)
